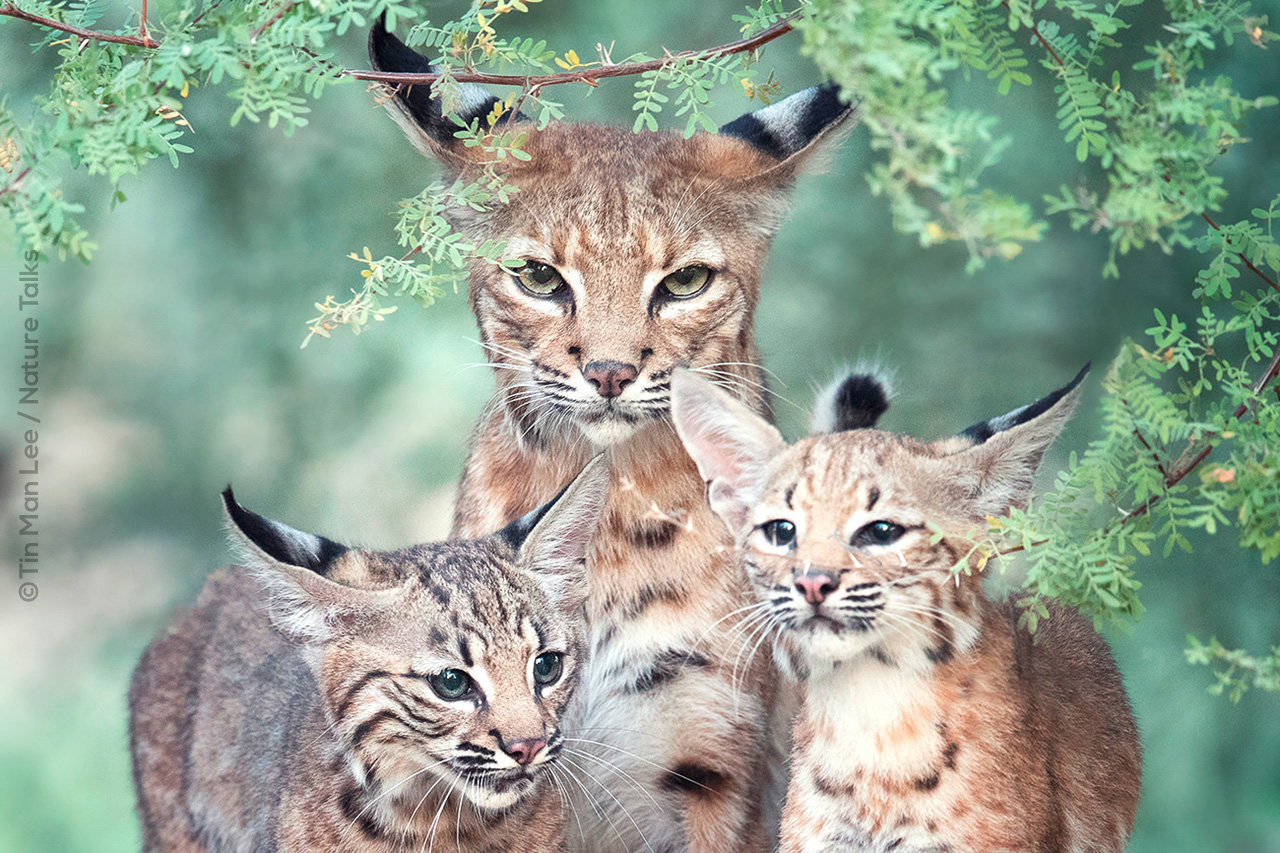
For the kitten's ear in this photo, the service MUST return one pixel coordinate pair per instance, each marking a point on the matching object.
(295, 570)
(552, 541)
(855, 400)
(730, 444)
(420, 115)
(791, 130)
(998, 458)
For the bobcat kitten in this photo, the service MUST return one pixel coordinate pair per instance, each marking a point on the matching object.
(930, 722)
(642, 253)
(331, 699)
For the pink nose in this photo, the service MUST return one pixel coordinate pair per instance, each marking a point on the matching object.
(525, 749)
(816, 586)
(609, 377)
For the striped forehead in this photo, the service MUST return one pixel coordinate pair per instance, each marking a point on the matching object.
(834, 476)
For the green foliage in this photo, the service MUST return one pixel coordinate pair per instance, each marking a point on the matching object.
(1190, 436)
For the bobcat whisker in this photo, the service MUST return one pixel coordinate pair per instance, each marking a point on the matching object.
(617, 771)
(372, 802)
(758, 605)
(613, 797)
(567, 800)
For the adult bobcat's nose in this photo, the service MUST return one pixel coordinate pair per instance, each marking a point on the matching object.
(609, 377)
(524, 750)
(815, 586)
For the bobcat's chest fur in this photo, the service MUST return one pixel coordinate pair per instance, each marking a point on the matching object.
(671, 717)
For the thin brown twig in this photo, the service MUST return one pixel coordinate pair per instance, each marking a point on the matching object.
(584, 75)
(1268, 376)
(284, 10)
(12, 186)
(1035, 30)
(9, 10)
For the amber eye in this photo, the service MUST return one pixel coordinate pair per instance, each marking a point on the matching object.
(687, 281)
(879, 533)
(539, 279)
(780, 533)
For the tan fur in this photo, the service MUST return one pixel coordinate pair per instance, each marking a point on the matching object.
(616, 211)
(295, 708)
(935, 724)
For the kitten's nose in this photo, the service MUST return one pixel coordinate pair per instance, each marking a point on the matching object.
(524, 750)
(609, 377)
(815, 586)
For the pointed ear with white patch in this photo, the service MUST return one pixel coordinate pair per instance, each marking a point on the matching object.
(855, 400)
(1000, 470)
(292, 567)
(553, 540)
(419, 111)
(791, 130)
(730, 444)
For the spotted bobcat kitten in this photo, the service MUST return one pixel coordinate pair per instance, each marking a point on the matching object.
(930, 721)
(642, 252)
(323, 698)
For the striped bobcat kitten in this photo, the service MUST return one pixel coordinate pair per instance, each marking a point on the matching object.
(642, 252)
(331, 699)
(930, 721)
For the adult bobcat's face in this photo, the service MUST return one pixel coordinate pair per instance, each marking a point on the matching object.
(641, 253)
(840, 532)
(449, 663)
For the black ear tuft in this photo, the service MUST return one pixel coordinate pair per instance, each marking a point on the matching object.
(984, 430)
(517, 531)
(278, 541)
(788, 127)
(422, 113)
(855, 401)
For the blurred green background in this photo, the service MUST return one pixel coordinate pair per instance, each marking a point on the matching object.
(171, 366)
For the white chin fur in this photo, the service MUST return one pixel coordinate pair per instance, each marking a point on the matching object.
(609, 432)
(824, 644)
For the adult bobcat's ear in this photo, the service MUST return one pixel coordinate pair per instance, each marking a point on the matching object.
(853, 401)
(300, 574)
(552, 541)
(420, 115)
(730, 444)
(791, 130)
(999, 471)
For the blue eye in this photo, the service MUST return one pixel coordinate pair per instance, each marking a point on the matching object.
(779, 532)
(547, 667)
(879, 533)
(451, 684)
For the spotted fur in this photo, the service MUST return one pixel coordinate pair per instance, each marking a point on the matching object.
(930, 721)
(295, 708)
(674, 705)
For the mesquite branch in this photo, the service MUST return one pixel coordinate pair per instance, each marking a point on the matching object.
(141, 40)
(582, 75)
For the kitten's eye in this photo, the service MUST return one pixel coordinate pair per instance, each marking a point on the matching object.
(451, 684)
(539, 279)
(779, 532)
(547, 667)
(687, 281)
(879, 533)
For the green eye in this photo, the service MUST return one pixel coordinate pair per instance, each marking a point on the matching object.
(539, 279)
(687, 281)
(779, 532)
(547, 667)
(879, 533)
(451, 684)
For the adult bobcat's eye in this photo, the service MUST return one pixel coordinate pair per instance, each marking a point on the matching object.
(547, 667)
(539, 279)
(687, 281)
(779, 532)
(450, 684)
(879, 533)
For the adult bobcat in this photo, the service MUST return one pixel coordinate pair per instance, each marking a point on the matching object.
(930, 721)
(330, 699)
(642, 253)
